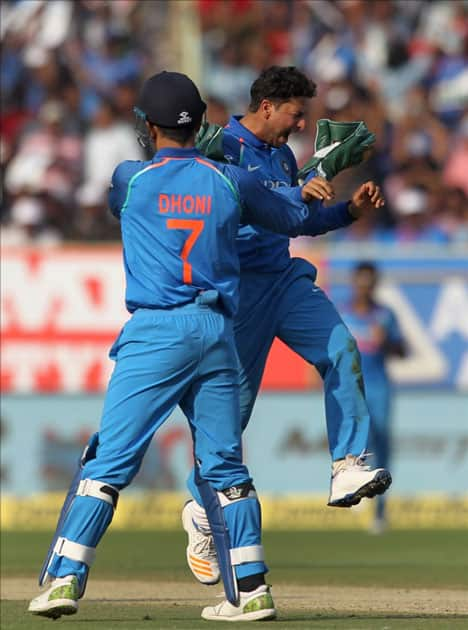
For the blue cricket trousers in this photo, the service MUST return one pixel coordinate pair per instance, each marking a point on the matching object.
(184, 356)
(290, 306)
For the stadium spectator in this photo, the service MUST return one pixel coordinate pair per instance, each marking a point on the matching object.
(216, 111)
(28, 225)
(415, 222)
(107, 140)
(389, 63)
(456, 167)
(90, 222)
(450, 209)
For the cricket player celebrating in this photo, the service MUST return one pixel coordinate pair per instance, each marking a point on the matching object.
(279, 298)
(179, 216)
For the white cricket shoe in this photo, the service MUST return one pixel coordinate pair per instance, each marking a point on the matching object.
(378, 527)
(201, 552)
(352, 480)
(253, 606)
(60, 598)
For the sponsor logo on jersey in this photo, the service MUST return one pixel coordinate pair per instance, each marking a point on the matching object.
(272, 183)
(252, 167)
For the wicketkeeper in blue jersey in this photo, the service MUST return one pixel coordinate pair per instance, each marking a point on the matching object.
(278, 294)
(179, 215)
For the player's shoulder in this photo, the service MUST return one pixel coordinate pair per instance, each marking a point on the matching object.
(232, 146)
(286, 151)
(204, 161)
(384, 313)
(230, 171)
(225, 170)
(384, 309)
(124, 171)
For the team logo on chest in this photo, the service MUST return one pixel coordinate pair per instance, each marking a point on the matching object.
(286, 167)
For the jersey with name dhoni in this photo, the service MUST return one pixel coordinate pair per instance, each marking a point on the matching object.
(260, 249)
(179, 215)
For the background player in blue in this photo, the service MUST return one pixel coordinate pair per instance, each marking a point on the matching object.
(279, 298)
(378, 336)
(179, 216)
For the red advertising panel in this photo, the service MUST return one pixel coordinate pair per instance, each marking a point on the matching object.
(61, 309)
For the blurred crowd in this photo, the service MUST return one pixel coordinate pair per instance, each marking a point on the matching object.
(71, 71)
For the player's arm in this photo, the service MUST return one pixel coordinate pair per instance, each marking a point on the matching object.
(321, 219)
(393, 343)
(120, 182)
(365, 200)
(284, 212)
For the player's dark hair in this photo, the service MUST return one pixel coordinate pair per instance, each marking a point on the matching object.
(181, 136)
(279, 84)
(366, 265)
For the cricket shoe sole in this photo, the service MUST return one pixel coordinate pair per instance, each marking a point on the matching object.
(378, 485)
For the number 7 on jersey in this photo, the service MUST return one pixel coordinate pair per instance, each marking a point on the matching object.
(196, 227)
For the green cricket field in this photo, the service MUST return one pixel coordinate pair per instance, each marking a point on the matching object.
(405, 579)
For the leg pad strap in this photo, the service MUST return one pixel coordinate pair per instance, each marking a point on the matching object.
(254, 553)
(98, 490)
(226, 497)
(75, 551)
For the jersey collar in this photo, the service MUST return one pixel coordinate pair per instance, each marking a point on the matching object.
(177, 153)
(245, 134)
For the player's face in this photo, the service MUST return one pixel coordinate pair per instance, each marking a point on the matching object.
(364, 283)
(286, 118)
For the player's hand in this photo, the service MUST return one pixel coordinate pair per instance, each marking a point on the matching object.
(366, 198)
(378, 335)
(317, 188)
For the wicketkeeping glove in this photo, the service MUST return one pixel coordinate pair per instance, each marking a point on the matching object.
(338, 145)
(209, 141)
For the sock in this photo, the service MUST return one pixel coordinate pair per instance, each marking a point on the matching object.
(251, 582)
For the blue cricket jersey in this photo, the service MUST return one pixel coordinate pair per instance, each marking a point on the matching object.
(179, 215)
(259, 249)
(361, 326)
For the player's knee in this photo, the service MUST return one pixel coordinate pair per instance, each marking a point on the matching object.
(224, 468)
(107, 472)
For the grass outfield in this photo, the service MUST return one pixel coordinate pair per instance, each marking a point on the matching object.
(340, 579)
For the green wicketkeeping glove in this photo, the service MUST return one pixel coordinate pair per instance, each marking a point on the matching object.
(338, 145)
(209, 141)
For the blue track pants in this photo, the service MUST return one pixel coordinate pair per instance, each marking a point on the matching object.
(182, 356)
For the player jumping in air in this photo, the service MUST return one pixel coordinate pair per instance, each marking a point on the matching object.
(279, 298)
(179, 216)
